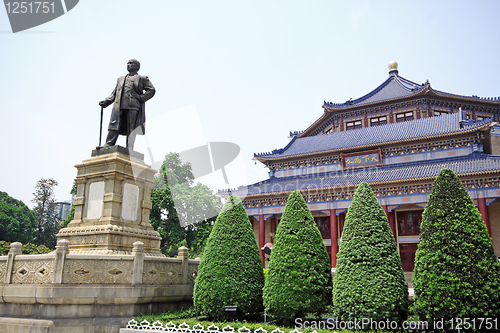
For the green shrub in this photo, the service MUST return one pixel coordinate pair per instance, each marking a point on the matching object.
(369, 281)
(30, 248)
(299, 278)
(230, 271)
(4, 248)
(42, 249)
(457, 274)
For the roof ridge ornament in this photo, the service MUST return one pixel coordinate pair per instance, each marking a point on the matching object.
(393, 68)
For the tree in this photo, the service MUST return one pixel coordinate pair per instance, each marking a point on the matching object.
(71, 214)
(17, 222)
(29, 248)
(4, 248)
(369, 281)
(163, 216)
(197, 236)
(299, 279)
(457, 274)
(182, 210)
(47, 222)
(230, 271)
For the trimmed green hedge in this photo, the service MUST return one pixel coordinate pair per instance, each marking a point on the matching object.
(369, 280)
(230, 272)
(299, 278)
(457, 274)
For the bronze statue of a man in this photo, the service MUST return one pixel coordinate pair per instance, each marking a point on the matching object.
(128, 99)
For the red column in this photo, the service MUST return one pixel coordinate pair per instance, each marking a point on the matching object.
(483, 209)
(262, 237)
(341, 223)
(386, 211)
(273, 228)
(333, 237)
(392, 223)
(390, 218)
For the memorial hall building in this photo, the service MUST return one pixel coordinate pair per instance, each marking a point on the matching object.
(396, 138)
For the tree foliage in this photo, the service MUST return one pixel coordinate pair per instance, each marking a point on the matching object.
(183, 212)
(28, 248)
(457, 274)
(299, 279)
(230, 272)
(47, 222)
(4, 248)
(17, 222)
(369, 281)
(71, 214)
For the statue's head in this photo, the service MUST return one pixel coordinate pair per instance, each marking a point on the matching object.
(133, 64)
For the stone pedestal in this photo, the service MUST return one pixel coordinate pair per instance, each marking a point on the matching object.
(112, 205)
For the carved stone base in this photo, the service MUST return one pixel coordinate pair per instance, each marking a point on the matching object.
(110, 239)
(112, 205)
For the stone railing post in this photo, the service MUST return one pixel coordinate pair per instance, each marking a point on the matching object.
(15, 249)
(183, 254)
(138, 253)
(62, 248)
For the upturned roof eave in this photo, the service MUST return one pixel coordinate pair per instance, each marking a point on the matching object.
(372, 145)
(470, 99)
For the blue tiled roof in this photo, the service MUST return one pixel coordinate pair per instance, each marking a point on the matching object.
(394, 87)
(489, 99)
(403, 131)
(460, 166)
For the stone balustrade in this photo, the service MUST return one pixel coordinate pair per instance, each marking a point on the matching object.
(63, 291)
(61, 267)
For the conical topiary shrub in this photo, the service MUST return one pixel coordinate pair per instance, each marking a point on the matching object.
(299, 279)
(457, 274)
(369, 281)
(230, 272)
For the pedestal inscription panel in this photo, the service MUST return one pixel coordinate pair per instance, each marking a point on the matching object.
(96, 194)
(130, 203)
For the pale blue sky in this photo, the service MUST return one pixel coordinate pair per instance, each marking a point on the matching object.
(251, 71)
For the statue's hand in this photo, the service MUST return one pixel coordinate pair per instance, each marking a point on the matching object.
(103, 104)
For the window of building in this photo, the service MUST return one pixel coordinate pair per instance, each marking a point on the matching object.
(328, 130)
(409, 223)
(323, 224)
(378, 121)
(400, 117)
(478, 118)
(407, 254)
(353, 125)
(440, 113)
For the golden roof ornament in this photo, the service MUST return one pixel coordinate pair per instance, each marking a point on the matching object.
(393, 68)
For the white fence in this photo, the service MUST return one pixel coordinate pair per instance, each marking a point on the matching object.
(144, 326)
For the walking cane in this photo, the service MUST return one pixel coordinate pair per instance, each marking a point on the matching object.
(100, 129)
